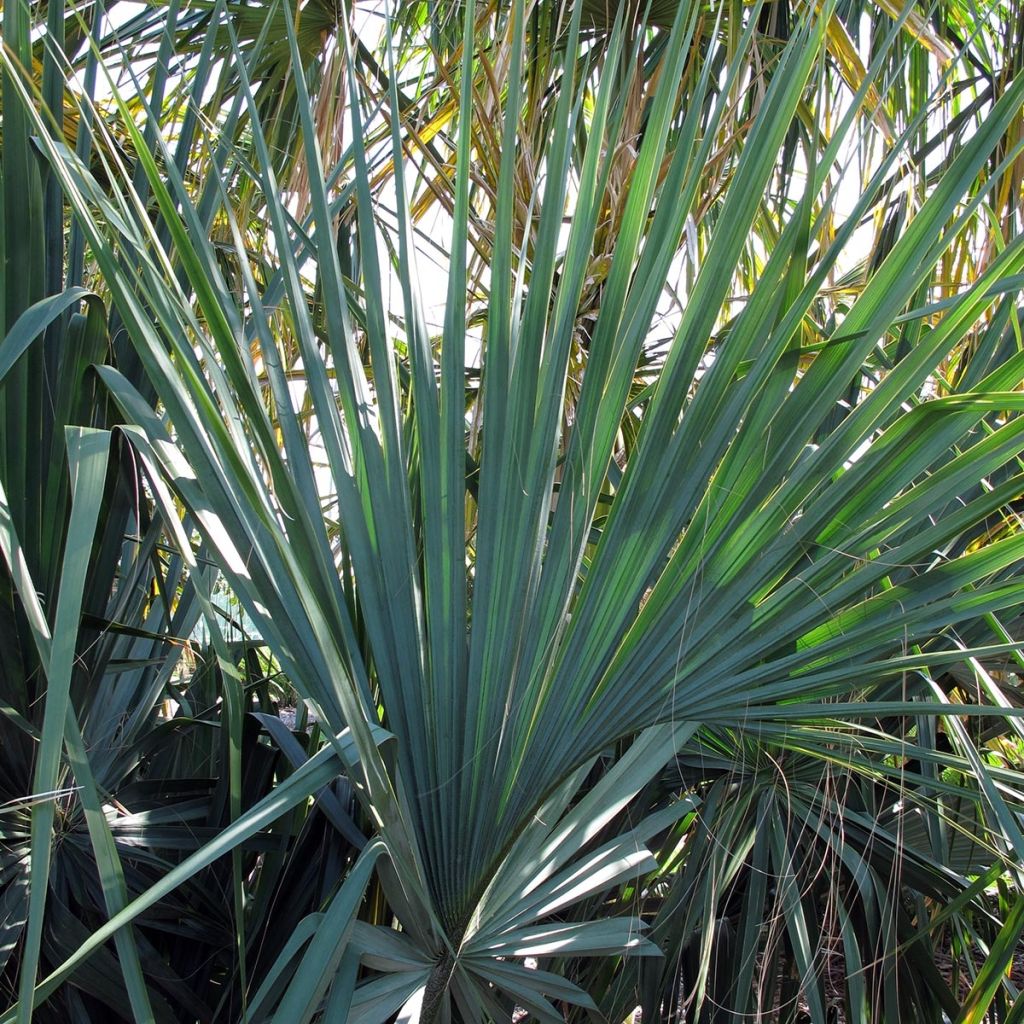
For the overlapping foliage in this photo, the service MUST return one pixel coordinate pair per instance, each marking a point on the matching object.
(658, 610)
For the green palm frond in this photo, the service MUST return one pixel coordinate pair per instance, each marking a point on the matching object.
(747, 558)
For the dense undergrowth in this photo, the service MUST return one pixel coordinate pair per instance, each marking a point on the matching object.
(653, 615)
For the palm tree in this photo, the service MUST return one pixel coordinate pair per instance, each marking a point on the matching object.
(674, 646)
